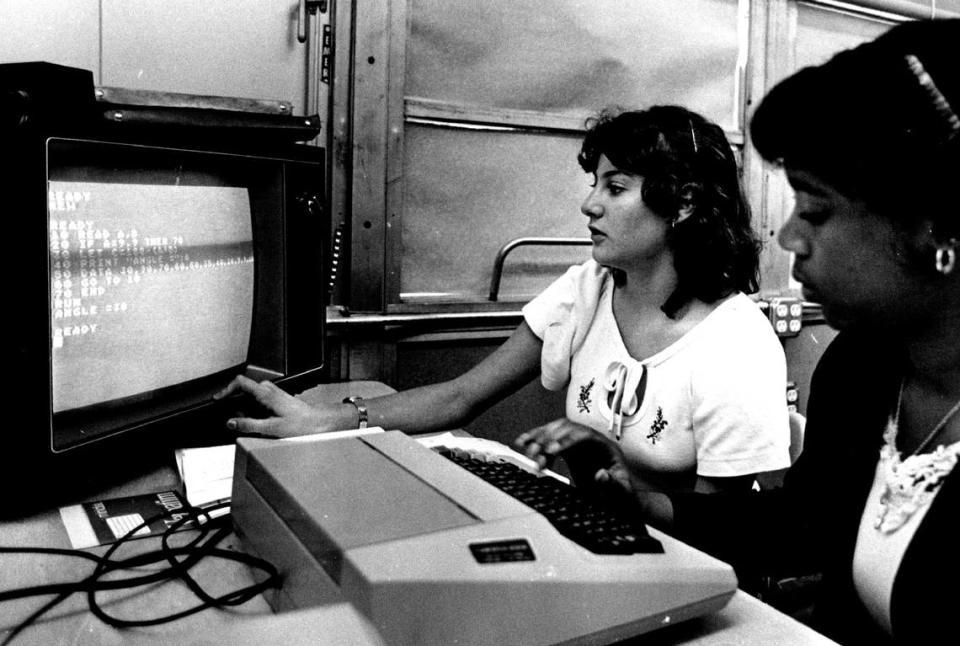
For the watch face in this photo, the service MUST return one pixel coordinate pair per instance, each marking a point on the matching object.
(361, 410)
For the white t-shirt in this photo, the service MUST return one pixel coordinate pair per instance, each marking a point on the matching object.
(713, 402)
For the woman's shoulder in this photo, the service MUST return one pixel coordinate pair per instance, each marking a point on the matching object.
(561, 316)
(859, 354)
(589, 273)
(731, 331)
(580, 282)
(572, 299)
(739, 316)
(735, 333)
(739, 304)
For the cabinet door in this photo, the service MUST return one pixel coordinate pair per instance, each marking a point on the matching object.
(239, 48)
(56, 31)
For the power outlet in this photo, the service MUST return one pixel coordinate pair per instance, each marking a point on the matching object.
(786, 315)
(793, 396)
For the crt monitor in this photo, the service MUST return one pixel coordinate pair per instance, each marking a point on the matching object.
(168, 270)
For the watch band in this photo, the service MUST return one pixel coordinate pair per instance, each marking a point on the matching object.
(361, 407)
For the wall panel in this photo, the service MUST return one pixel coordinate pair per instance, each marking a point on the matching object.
(65, 32)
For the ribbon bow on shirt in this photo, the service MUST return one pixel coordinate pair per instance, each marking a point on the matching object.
(621, 383)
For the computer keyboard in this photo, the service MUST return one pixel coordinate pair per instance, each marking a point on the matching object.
(432, 543)
(584, 520)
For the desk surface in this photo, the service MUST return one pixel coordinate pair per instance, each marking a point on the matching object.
(744, 621)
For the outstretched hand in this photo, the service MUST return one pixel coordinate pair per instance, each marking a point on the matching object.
(287, 415)
(595, 461)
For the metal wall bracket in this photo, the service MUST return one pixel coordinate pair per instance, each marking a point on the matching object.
(308, 7)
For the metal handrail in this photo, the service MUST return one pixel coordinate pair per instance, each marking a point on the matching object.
(518, 242)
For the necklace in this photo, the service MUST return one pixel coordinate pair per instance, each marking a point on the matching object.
(939, 426)
(910, 484)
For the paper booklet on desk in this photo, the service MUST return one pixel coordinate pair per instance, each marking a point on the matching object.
(106, 521)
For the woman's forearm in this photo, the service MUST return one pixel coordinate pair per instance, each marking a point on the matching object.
(453, 403)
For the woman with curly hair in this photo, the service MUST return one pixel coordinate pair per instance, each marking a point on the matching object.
(665, 358)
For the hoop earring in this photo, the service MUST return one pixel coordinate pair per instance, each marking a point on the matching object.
(945, 259)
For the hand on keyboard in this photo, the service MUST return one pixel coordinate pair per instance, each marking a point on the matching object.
(595, 462)
(586, 520)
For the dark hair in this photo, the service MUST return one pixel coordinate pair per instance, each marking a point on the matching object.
(684, 159)
(878, 122)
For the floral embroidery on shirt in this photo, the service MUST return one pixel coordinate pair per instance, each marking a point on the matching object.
(584, 401)
(657, 427)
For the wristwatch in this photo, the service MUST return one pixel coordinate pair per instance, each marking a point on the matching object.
(362, 418)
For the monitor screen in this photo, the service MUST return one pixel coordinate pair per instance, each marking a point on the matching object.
(151, 287)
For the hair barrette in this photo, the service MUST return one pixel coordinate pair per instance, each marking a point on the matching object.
(940, 103)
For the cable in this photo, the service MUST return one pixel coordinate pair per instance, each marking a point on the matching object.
(180, 560)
